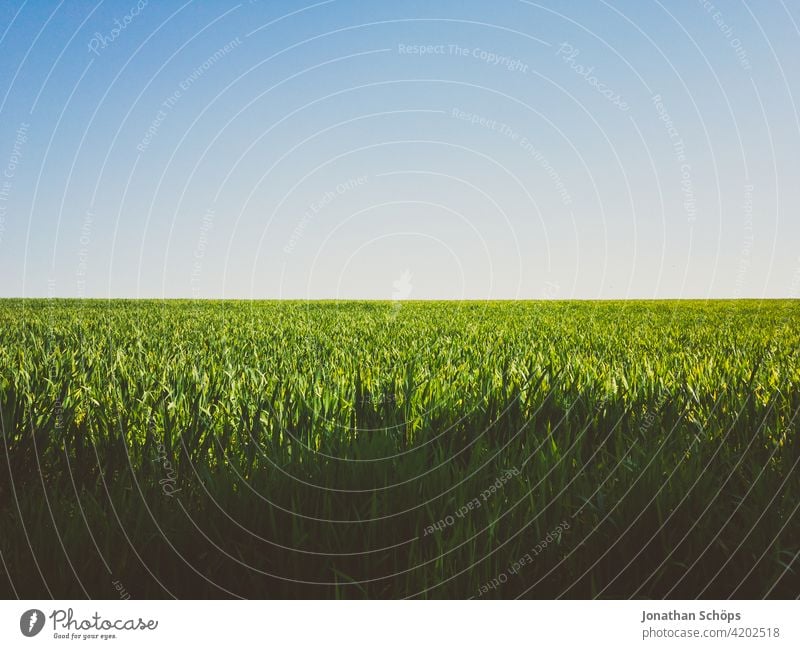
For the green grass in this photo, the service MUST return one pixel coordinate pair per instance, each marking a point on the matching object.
(317, 449)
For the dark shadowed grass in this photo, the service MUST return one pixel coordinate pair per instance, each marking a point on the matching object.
(366, 449)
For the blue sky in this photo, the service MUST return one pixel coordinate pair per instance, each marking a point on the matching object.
(400, 150)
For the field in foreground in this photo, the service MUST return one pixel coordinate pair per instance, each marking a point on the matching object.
(366, 449)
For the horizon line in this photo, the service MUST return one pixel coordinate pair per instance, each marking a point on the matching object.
(396, 301)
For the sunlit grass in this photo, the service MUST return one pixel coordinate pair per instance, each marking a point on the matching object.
(303, 448)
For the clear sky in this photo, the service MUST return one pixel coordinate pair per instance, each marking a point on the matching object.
(392, 150)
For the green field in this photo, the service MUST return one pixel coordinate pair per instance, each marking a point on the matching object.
(414, 449)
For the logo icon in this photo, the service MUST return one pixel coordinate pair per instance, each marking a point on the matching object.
(402, 289)
(402, 286)
(31, 622)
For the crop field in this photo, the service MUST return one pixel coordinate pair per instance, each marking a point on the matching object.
(399, 449)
